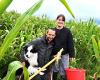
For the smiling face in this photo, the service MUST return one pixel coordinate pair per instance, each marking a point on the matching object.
(50, 35)
(60, 21)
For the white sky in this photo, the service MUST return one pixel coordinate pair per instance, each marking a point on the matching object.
(83, 9)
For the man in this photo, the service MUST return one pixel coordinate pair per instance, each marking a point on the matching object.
(44, 46)
(63, 40)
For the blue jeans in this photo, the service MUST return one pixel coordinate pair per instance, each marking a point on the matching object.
(62, 65)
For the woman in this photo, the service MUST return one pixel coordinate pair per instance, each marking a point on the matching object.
(63, 40)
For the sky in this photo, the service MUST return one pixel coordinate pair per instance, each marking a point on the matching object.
(82, 9)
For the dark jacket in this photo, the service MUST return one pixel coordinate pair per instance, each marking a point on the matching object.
(43, 48)
(64, 40)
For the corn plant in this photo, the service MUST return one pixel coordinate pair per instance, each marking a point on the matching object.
(82, 32)
(12, 71)
(13, 33)
(96, 48)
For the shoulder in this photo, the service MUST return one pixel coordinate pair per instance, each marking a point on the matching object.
(38, 40)
(66, 30)
(34, 42)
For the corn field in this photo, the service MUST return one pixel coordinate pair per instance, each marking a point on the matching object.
(36, 27)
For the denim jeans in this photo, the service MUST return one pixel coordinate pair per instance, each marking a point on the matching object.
(61, 66)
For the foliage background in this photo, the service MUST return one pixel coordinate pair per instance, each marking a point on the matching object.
(36, 27)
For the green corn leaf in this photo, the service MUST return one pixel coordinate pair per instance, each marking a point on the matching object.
(99, 45)
(4, 4)
(15, 30)
(26, 74)
(95, 47)
(67, 7)
(12, 70)
(13, 67)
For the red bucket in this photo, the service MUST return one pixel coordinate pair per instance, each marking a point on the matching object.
(75, 74)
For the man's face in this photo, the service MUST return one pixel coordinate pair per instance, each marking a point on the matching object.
(60, 22)
(50, 35)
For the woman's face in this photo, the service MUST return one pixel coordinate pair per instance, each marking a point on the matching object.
(60, 22)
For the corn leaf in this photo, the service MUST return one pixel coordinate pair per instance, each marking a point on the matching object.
(95, 47)
(4, 4)
(15, 30)
(26, 73)
(99, 45)
(12, 70)
(67, 7)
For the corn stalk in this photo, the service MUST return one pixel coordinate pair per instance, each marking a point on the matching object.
(96, 48)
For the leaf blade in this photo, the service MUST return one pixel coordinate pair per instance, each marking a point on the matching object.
(95, 47)
(26, 73)
(4, 4)
(12, 70)
(67, 7)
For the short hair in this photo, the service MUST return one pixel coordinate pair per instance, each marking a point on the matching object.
(61, 15)
(51, 29)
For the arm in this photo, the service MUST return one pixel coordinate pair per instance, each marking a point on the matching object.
(70, 45)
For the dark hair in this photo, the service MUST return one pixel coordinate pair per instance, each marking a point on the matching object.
(51, 29)
(61, 15)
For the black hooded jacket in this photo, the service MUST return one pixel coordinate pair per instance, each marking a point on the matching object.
(64, 40)
(43, 48)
